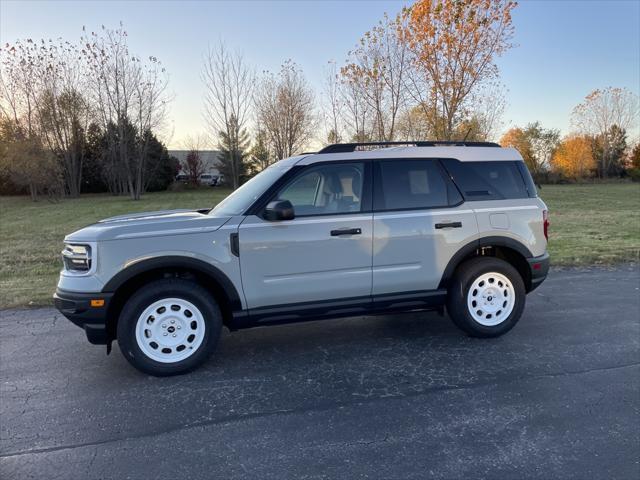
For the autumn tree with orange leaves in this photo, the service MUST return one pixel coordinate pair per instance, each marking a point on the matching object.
(454, 45)
(536, 145)
(517, 138)
(574, 157)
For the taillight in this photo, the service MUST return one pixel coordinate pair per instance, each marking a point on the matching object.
(545, 220)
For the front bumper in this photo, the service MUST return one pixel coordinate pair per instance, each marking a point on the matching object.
(77, 308)
(539, 268)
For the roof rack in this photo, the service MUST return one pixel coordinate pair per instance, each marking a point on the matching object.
(352, 147)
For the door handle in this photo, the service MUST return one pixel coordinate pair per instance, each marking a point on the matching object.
(346, 231)
(449, 225)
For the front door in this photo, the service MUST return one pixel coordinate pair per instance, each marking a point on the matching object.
(324, 253)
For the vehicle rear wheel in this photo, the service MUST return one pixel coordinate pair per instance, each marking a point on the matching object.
(486, 297)
(169, 327)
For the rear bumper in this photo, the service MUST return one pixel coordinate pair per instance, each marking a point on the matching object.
(77, 308)
(539, 268)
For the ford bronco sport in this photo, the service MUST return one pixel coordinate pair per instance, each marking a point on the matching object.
(355, 229)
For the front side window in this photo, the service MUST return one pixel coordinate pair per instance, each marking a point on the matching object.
(412, 184)
(326, 190)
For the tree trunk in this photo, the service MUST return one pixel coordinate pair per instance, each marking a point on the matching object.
(33, 192)
(72, 175)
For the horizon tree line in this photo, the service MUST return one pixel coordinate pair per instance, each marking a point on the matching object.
(597, 147)
(72, 110)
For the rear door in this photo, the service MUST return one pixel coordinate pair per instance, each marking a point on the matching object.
(325, 252)
(419, 223)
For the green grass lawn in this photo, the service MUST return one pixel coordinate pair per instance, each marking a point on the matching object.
(590, 224)
(593, 223)
(32, 234)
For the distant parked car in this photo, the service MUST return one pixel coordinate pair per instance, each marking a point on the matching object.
(182, 178)
(208, 179)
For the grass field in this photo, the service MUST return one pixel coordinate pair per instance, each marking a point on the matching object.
(590, 224)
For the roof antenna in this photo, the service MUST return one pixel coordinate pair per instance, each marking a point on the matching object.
(467, 135)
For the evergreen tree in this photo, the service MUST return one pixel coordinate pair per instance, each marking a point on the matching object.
(635, 157)
(233, 154)
(93, 178)
(160, 168)
(261, 156)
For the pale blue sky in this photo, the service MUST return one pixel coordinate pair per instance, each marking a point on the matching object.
(565, 48)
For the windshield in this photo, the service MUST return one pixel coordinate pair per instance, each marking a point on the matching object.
(243, 197)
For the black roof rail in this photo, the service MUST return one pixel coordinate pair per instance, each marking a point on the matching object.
(351, 147)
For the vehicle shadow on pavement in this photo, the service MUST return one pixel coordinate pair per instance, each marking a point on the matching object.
(344, 338)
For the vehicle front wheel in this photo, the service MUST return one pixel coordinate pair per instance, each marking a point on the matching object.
(486, 297)
(169, 327)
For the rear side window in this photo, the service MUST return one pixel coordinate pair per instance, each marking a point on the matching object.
(413, 184)
(487, 180)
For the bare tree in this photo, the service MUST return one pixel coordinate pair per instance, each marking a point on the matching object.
(357, 111)
(63, 108)
(333, 104)
(194, 166)
(41, 90)
(20, 145)
(377, 68)
(486, 107)
(285, 109)
(194, 163)
(130, 94)
(18, 90)
(600, 111)
(229, 84)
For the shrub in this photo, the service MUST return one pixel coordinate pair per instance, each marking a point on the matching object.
(634, 173)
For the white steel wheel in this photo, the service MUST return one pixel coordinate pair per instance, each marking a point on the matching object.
(491, 299)
(170, 330)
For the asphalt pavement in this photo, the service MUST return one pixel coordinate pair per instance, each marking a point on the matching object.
(389, 397)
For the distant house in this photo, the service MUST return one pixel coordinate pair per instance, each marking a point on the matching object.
(209, 159)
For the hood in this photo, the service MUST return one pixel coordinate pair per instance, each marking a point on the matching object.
(148, 215)
(148, 224)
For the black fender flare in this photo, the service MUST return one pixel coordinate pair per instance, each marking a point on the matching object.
(181, 262)
(471, 247)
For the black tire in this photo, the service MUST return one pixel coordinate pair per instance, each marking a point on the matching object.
(156, 291)
(462, 281)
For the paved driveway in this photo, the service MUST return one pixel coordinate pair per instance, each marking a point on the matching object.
(380, 397)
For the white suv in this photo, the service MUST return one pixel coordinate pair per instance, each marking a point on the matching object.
(355, 229)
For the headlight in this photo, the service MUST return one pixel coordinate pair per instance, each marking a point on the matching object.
(77, 258)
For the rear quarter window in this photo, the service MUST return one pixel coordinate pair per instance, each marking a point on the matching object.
(491, 180)
(528, 179)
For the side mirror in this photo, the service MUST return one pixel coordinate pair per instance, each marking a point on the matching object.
(279, 210)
